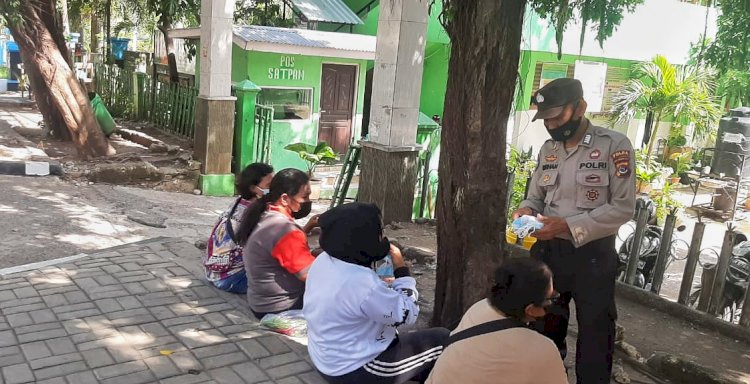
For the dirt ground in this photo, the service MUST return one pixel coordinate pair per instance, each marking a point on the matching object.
(166, 166)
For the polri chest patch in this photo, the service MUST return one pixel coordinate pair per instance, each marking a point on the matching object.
(593, 165)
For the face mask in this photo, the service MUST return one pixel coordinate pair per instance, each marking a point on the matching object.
(264, 191)
(304, 210)
(565, 131)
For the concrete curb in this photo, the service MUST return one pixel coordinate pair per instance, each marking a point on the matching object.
(60, 260)
(683, 312)
(17, 104)
(681, 370)
(30, 168)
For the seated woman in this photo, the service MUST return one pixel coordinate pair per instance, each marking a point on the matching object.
(276, 253)
(222, 262)
(492, 343)
(352, 315)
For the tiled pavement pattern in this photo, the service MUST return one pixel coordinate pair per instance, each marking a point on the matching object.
(136, 314)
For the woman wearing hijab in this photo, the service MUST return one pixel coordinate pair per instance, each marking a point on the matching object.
(352, 315)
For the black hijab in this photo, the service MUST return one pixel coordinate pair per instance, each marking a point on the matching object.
(354, 233)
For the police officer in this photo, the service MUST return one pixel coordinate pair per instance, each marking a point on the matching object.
(582, 190)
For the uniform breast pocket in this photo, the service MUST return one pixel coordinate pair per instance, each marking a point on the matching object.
(548, 181)
(592, 188)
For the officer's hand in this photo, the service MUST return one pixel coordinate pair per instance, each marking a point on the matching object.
(553, 226)
(522, 211)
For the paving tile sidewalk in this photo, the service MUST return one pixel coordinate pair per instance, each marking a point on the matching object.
(136, 314)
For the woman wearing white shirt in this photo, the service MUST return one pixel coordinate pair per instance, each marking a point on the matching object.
(352, 315)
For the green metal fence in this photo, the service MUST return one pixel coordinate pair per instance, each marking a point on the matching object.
(262, 140)
(134, 95)
(173, 108)
(115, 87)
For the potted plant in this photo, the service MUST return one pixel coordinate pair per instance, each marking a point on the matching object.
(680, 163)
(646, 173)
(675, 143)
(664, 201)
(314, 155)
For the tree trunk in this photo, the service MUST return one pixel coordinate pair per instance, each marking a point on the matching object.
(108, 26)
(65, 20)
(165, 24)
(53, 120)
(654, 133)
(485, 50)
(56, 83)
(51, 19)
(94, 32)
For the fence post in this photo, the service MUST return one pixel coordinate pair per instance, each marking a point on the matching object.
(745, 318)
(721, 272)
(692, 261)
(244, 124)
(136, 97)
(707, 283)
(635, 248)
(664, 252)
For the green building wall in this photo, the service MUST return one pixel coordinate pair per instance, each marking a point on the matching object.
(254, 65)
(529, 60)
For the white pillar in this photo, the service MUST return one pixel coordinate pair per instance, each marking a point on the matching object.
(389, 159)
(216, 48)
(397, 81)
(214, 110)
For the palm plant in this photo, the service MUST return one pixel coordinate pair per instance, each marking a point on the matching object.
(662, 90)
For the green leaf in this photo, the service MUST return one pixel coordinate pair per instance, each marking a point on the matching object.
(300, 147)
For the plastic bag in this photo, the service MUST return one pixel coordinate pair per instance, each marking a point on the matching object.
(526, 225)
(384, 267)
(290, 323)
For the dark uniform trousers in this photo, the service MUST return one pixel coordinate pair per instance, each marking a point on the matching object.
(586, 275)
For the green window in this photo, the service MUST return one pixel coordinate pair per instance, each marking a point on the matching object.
(288, 103)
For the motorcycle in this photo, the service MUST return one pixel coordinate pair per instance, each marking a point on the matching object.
(648, 250)
(737, 278)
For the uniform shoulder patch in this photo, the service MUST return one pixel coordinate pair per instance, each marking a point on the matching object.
(621, 159)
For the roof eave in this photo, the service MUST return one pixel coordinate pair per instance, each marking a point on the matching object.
(309, 51)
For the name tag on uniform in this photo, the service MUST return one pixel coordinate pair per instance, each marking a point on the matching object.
(593, 165)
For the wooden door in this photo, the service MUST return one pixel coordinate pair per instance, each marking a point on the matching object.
(337, 106)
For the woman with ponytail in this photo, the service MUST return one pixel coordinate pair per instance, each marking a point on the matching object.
(276, 253)
(223, 262)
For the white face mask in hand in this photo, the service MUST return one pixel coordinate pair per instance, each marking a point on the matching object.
(525, 226)
(524, 231)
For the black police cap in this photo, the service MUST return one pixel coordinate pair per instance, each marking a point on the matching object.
(551, 99)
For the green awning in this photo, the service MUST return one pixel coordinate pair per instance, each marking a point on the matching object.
(329, 11)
